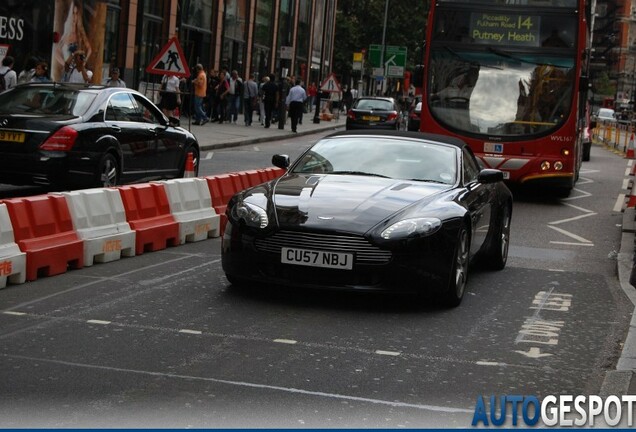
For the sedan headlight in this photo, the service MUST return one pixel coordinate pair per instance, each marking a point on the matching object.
(411, 228)
(253, 215)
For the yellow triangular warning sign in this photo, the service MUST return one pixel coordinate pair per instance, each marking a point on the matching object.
(330, 84)
(170, 61)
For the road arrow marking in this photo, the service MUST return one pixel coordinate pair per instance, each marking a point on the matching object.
(534, 352)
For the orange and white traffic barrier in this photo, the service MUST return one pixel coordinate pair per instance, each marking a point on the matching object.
(12, 259)
(629, 154)
(191, 206)
(99, 219)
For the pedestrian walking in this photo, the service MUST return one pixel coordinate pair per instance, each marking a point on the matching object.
(270, 96)
(170, 94)
(222, 91)
(8, 75)
(312, 92)
(234, 96)
(200, 90)
(250, 96)
(295, 102)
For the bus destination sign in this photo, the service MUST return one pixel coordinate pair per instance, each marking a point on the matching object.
(505, 29)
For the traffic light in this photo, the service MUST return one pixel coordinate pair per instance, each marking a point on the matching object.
(418, 76)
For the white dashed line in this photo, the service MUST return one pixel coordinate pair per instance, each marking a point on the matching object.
(625, 184)
(98, 322)
(557, 270)
(285, 341)
(195, 332)
(14, 313)
(209, 155)
(388, 353)
(489, 363)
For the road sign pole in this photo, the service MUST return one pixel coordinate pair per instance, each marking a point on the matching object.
(386, 13)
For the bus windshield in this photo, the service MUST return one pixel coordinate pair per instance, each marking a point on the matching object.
(499, 93)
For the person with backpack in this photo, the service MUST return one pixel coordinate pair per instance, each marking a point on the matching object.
(8, 77)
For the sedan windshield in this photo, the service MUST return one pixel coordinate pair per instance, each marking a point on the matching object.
(45, 100)
(381, 157)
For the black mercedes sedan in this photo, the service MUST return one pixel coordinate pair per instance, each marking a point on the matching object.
(69, 136)
(364, 210)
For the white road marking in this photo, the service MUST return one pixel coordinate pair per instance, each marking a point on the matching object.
(584, 194)
(388, 353)
(98, 322)
(630, 162)
(584, 181)
(14, 313)
(569, 234)
(556, 270)
(194, 332)
(626, 184)
(572, 218)
(579, 208)
(572, 243)
(336, 396)
(620, 202)
(285, 341)
(209, 155)
(628, 171)
(489, 363)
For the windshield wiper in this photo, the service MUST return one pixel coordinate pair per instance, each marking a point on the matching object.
(359, 173)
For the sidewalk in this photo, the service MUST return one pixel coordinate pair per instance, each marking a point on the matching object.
(214, 136)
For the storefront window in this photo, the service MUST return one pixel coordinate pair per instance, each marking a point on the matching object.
(285, 30)
(152, 39)
(111, 36)
(196, 31)
(262, 37)
(234, 35)
(302, 39)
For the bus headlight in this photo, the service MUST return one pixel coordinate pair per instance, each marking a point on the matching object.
(558, 165)
(545, 165)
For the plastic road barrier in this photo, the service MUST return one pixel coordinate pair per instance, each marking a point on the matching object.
(12, 259)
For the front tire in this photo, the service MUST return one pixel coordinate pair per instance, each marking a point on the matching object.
(496, 256)
(458, 277)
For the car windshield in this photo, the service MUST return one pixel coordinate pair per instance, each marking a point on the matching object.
(381, 157)
(374, 104)
(45, 100)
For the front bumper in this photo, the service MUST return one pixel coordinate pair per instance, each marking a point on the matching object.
(420, 267)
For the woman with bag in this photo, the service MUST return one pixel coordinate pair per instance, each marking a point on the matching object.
(170, 95)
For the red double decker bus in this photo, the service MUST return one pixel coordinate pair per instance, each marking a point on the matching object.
(506, 77)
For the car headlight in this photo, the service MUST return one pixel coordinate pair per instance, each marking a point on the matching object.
(411, 228)
(251, 214)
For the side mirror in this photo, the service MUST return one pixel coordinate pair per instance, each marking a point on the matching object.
(490, 176)
(281, 161)
(174, 122)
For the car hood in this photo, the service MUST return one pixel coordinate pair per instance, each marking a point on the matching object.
(348, 203)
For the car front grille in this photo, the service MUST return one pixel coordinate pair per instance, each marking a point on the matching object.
(364, 251)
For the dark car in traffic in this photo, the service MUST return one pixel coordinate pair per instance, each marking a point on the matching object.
(69, 136)
(366, 210)
(371, 112)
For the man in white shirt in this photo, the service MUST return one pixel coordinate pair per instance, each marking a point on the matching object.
(114, 80)
(295, 102)
(6, 70)
(76, 70)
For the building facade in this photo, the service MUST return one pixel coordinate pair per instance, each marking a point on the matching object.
(283, 37)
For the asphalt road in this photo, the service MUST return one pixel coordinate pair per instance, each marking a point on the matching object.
(162, 340)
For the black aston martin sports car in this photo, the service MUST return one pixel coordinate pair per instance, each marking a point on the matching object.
(396, 211)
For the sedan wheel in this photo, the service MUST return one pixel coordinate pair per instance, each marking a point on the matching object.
(459, 273)
(108, 171)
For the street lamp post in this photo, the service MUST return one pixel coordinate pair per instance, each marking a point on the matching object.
(322, 62)
(386, 12)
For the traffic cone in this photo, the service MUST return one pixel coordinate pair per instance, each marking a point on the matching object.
(189, 166)
(630, 148)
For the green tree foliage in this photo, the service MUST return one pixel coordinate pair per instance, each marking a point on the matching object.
(359, 23)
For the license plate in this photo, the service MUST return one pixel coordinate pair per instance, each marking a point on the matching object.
(12, 136)
(493, 147)
(371, 118)
(317, 258)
